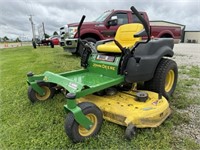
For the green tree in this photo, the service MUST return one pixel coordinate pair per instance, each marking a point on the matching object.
(55, 33)
(46, 35)
(17, 40)
(5, 38)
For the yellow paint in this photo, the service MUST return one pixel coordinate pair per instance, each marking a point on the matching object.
(123, 109)
(103, 66)
(44, 97)
(125, 36)
(83, 131)
(169, 81)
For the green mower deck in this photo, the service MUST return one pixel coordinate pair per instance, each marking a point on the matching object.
(98, 75)
(83, 82)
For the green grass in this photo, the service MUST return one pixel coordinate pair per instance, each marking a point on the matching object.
(191, 71)
(188, 82)
(40, 126)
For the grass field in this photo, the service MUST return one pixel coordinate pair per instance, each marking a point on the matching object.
(24, 125)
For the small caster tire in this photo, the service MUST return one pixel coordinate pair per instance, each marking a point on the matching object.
(34, 96)
(111, 91)
(76, 132)
(100, 93)
(130, 132)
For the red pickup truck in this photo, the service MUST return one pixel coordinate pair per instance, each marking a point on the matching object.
(99, 29)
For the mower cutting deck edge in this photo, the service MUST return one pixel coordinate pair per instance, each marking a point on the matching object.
(110, 75)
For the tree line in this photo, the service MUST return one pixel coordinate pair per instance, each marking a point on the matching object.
(5, 38)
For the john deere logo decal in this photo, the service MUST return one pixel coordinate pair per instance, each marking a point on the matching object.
(104, 66)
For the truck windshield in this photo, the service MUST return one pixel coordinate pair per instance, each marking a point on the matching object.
(103, 16)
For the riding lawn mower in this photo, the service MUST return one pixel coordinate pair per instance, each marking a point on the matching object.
(106, 87)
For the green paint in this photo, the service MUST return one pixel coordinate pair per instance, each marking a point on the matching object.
(78, 114)
(97, 76)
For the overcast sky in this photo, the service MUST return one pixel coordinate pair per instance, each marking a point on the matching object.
(14, 14)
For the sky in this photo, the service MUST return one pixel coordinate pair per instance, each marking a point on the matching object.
(14, 14)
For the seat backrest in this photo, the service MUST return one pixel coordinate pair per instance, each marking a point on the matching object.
(125, 34)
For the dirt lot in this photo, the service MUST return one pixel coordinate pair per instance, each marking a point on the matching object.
(188, 55)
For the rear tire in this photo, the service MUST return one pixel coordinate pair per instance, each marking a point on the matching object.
(76, 132)
(165, 78)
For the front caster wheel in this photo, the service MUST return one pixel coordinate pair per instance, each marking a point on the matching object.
(76, 132)
(34, 96)
(130, 132)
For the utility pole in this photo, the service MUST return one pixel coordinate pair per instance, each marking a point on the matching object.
(43, 29)
(32, 25)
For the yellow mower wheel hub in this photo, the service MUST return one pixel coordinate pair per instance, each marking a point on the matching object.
(43, 97)
(83, 131)
(169, 81)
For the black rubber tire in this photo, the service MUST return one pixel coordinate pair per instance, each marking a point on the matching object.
(34, 96)
(34, 44)
(75, 53)
(51, 44)
(72, 127)
(100, 93)
(130, 132)
(80, 50)
(111, 91)
(91, 40)
(157, 83)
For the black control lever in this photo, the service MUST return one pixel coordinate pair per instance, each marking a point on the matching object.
(126, 54)
(80, 24)
(82, 42)
(120, 46)
(143, 21)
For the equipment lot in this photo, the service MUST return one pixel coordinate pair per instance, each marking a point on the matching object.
(40, 125)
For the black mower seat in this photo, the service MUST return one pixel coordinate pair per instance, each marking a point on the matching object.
(124, 35)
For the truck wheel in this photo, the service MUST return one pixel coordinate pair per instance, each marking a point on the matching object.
(165, 78)
(34, 96)
(51, 44)
(76, 132)
(34, 44)
(92, 41)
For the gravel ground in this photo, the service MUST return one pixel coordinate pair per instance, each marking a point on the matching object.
(189, 55)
